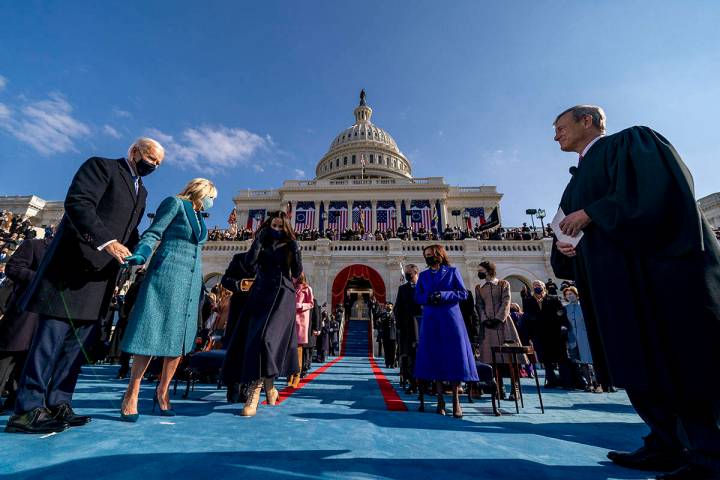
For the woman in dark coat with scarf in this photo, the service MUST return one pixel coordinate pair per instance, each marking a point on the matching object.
(269, 315)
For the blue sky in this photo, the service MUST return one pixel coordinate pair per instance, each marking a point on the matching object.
(468, 89)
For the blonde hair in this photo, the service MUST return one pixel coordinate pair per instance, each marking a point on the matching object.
(197, 189)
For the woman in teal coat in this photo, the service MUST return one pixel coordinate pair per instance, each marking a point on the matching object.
(163, 321)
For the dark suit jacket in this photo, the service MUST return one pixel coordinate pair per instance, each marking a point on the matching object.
(75, 279)
(18, 327)
(406, 309)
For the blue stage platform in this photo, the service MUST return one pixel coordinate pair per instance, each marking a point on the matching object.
(337, 426)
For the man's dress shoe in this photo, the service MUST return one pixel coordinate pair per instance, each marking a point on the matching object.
(66, 414)
(39, 420)
(651, 459)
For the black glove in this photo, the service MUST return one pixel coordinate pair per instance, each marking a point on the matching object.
(435, 298)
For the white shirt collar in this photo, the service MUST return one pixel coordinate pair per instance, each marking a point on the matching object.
(132, 172)
(494, 281)
(592, 142)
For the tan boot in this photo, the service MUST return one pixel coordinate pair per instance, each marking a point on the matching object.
(300, 362)
(253, 398)
(271, 393)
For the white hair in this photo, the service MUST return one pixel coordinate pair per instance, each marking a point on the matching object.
(144, 144)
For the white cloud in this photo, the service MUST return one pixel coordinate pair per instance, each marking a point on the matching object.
(111, 131)
(4, 112)
(3, 82)
(117, 112)
(258, 168)
(299, 173)
(46, 125)
(212, 149)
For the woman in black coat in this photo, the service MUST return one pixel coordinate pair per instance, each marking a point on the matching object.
(269, 315)
(547, 325)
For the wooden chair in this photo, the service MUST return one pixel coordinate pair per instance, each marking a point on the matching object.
(516, 351)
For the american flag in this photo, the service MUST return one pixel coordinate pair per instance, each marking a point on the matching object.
(385, 218)
(304, 216)
(477, 217)
(338, 216)
(255, 219)
(362, 212)
(420, 214)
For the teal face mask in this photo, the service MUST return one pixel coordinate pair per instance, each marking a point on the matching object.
(207, 203)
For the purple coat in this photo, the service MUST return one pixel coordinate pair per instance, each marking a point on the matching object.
(444, 352)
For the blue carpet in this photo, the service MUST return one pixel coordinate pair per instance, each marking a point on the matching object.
(336, 427)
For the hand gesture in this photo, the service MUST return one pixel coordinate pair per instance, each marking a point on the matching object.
(574, 223)
(134, 260)
(118, 251)
(566, 249)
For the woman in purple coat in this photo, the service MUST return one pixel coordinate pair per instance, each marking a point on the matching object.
(444, 353)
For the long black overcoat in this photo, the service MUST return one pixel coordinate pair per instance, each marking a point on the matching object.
(269, 314)
(75, 279)
(18, 327)
(545, 328)
(235, 336)
(406, 312)
(648, 266)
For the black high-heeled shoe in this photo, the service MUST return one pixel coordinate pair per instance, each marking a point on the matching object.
(156, 403)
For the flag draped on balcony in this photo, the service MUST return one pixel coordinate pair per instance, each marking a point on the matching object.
(386, 215)
(476, 218)
(420, 214)
(362, 215)
(338, 216)
(255, 218)
(304, 216)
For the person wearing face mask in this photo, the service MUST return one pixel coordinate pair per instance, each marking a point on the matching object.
(270, 313)
(578, 342)
(163, 321)
(408, 314)
(492, 302)
(444, 352)
(72, 286)
(547, 325)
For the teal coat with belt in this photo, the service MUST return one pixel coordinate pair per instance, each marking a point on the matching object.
(163, 321)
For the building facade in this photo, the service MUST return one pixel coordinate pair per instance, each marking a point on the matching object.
(365, 181)
(710, 206)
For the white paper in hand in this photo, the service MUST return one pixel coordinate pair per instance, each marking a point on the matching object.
(555, 225)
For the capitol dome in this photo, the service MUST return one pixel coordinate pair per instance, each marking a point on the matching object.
(363, 143)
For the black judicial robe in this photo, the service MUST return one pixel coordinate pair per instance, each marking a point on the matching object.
(648, 266)
(406, 311)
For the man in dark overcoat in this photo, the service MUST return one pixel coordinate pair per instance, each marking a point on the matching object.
(632, 197)
(18, 327)
(72, 288)
(407, 315)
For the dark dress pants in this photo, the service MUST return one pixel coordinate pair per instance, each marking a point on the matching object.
(695, 428)
(11, 367)
(53, 363)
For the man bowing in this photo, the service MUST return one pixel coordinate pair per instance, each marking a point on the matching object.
(648, 268)
(73, 286)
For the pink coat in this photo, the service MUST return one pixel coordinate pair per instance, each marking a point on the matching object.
(303, 304)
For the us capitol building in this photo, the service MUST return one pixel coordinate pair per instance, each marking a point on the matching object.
(364, 177)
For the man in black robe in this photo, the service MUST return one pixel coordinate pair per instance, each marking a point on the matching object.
(648, 269)
(73, 286)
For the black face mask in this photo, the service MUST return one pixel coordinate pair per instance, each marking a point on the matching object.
(276, 234)
(482, 275)
(409, 277)
(144, 168)
(431, 261)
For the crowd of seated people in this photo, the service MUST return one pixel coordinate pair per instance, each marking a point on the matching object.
(403, 233)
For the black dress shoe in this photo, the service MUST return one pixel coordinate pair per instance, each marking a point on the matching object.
(39, 420)
(651, 459)
(65, 413)
(690, 472)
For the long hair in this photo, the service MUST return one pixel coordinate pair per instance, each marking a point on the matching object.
(438, 251)
(287, 229)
